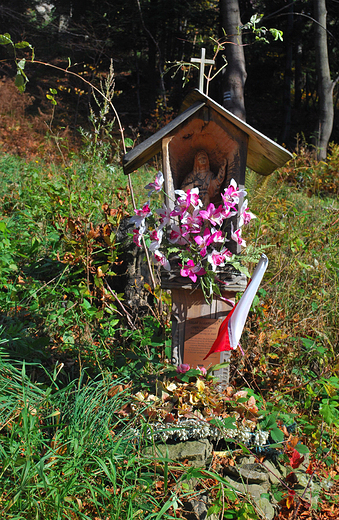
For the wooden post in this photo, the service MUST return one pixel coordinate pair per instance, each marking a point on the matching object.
(195, 323)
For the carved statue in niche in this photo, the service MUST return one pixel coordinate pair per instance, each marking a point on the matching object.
(201, 177)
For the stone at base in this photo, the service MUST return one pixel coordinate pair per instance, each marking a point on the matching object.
(254, 491)
(198, 508)
(196, 453)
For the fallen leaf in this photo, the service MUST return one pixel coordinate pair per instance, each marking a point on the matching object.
(296, 459)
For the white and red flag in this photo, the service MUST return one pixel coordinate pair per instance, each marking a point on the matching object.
(231, 328)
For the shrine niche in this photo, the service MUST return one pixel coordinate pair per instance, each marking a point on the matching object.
(205, 146)
(204, 136)
(202, 177)
(218, 139)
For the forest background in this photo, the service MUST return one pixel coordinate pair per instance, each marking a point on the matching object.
(151, 43)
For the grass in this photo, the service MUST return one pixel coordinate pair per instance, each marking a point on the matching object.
(64, 452)
(54, 235)
(69, 362)
(298, 299)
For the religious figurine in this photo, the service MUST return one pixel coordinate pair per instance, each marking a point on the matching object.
(201, 177)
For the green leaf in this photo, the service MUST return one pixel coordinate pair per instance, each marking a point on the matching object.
(277, 35)
(22, 45)
(128, 142)
(214, 510)
(268, 422)
(86, 304)
(51, 99)
(192, 473)
(113, 323)
(278, 495)
(326, 412)
(308, 343)
(277, 435)
(20, 82)
(21, 64)
(217, 367)
(5, 39)
(329, 461)
(301, 448)
(168, 352)
(228, 423)
(265, 495)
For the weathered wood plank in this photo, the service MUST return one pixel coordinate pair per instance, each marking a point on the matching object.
(151, 146)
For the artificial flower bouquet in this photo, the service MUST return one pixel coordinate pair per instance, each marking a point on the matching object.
(194, 235)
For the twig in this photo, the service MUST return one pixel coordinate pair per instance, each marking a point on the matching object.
(115, 296)
(113, 310)
(274, 277)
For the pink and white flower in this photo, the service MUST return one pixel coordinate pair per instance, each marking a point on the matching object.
(156, 185)
(204, 241)
(214, 215)
(138, 233)
(156, 238)
(176, 236)
(141, 215)
(232, 195)
(194, 231)
(236, 236)
(137, 236)
(165, 216)
(218, 258)
(192, 271)
(245, 215)
(185, 200)
(160, 257)
(217, 236)
(191, 223)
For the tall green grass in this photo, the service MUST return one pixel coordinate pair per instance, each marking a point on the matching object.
(64, 452)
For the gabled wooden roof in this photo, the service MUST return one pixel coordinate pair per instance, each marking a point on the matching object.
(263, 155)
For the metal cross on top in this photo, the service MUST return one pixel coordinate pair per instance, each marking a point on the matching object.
(202, 62)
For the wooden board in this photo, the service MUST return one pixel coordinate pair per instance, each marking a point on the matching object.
(191, 314)
(200, 334)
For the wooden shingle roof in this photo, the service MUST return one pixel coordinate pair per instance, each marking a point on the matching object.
(263, 154)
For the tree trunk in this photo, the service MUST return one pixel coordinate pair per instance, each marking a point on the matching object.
(285, 134)
(234, 74)
(298, 74)
(325, 85)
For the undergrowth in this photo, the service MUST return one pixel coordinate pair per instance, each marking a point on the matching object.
(73, 357)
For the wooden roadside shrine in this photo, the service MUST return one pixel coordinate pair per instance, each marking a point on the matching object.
(204, 146)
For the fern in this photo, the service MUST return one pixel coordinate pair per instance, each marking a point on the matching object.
(252, 253)
(259, 187)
